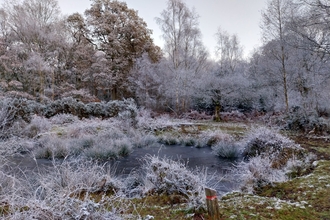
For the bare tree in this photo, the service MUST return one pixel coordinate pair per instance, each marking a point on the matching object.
(229, 52)
(311, 22)
(274, 20)
(183, 48)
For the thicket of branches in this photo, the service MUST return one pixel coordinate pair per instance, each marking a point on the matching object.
(108, 54)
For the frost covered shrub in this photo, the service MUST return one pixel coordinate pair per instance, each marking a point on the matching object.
(164, 175)
(256, 173)
(168, 140)
(299, 167)
(270, 157)
(66, 106)
(263, 141)
(227, 149)
(95, 109)
(61, 119)
(65, 192)
(8, 113)
(144, 140)
(299, 119)
(53, 147)
(146, 120)
(37, 126)
(213, 137)
(109, 146)
(125, 109)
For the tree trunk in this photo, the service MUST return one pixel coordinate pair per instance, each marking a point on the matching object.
(217, 112)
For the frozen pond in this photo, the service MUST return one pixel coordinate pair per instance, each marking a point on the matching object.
(217, 168)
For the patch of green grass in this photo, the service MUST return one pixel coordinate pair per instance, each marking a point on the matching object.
(160, 207)
(318, 145)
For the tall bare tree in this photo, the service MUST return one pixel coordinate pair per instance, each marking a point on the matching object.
(274, 20)
(183, 48)
(228, 51)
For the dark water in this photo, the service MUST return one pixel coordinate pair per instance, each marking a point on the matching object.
(217, 168)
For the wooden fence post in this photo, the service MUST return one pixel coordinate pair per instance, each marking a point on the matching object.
(212, 204)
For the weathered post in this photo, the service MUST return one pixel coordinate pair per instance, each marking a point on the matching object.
(212, 204)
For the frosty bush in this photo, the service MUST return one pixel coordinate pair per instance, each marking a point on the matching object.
(147, 121)
(37, 126)
(64, 192)
(213, 137)
(298, 167)
(299, 119)
(227, 149)
(61, 119)
(270, 157)
(8, 113)
(53, 147)
(263, 141)
(173, 177)
(256, 173)
(109, 146)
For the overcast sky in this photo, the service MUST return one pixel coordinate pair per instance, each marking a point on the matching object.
(241, 17)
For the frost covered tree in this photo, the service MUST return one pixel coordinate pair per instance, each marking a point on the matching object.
(229, 52)
(274, 20)
(123, 37)
(184, 50)
(147, 82)
(290, 68)
(310, 26)
(311, 22)
(35, 29)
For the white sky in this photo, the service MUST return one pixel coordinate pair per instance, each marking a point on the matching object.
(241, 17)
